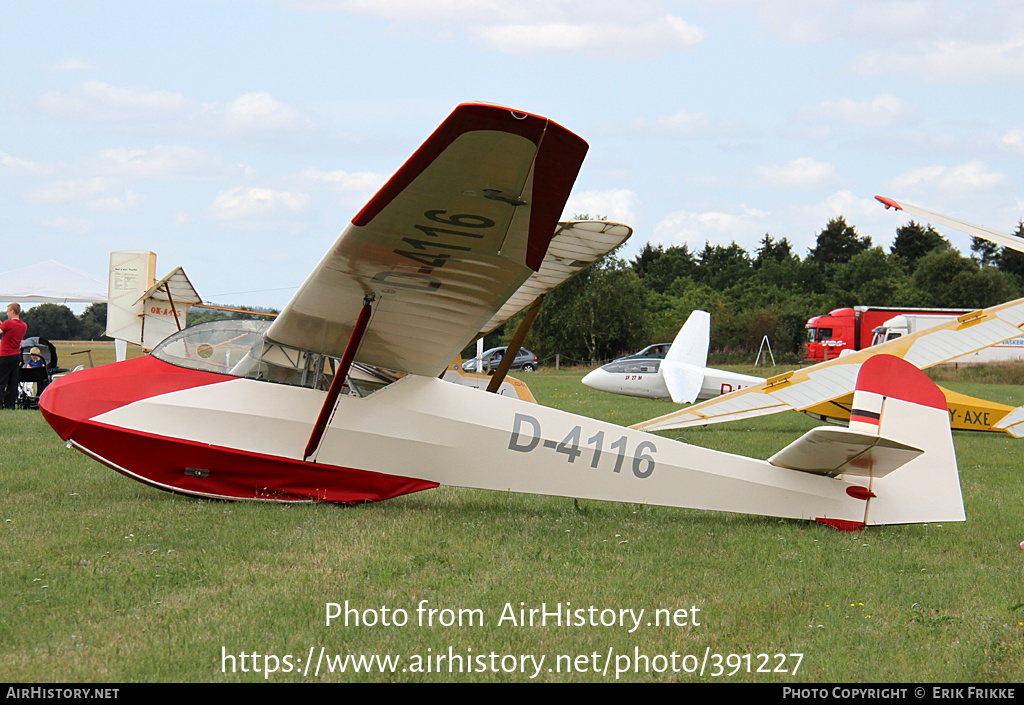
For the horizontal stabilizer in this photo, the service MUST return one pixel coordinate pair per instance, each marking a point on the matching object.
(841, 451)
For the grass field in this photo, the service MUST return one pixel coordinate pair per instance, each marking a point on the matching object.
(105, 579)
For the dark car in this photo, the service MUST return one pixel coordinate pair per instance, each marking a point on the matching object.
(651, 352)
(525, 360)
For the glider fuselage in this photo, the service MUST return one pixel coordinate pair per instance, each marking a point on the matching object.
(643, 378)
(218, 435)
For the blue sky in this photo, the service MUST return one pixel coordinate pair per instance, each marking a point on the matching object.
(236, 138)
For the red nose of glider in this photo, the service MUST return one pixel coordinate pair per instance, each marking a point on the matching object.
(82, 396)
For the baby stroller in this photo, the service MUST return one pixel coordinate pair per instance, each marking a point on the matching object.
(38, 363)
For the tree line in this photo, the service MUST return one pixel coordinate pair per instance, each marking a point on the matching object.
(618, 306)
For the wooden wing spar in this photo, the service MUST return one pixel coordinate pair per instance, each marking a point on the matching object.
(453, 234)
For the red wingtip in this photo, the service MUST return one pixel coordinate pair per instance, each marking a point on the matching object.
(888, 203)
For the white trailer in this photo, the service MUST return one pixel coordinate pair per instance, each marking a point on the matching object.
(905, 324)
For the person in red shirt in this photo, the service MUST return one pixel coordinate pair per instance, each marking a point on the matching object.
(12, 332)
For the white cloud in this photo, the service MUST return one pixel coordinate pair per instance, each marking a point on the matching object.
(1014, 139)
(885, 110)
(803, 173)
(95, 101)
(950, 60)
(76, 226)
(617, 205)
(98, 101)
(596, 28)
(841, 203)
(75, 63)
(249, 208)
(744, 225)
(98, 193)
(161, 162)
(653, 38)
(343, 181)
(683, 123)
(258, 112)
(68, 190)
(970, 176)
(117, 203)
(13, 166)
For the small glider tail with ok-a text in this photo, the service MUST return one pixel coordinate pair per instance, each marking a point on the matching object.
(898, 449)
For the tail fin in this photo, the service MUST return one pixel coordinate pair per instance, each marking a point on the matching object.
(905, 406)
(683, 367)
(897, 455)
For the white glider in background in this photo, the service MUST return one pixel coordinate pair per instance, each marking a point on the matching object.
(239, 409)
(682, 376)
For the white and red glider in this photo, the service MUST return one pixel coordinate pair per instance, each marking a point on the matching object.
(339, 399)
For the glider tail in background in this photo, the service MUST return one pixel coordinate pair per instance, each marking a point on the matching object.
(898, 448)
(683, 367)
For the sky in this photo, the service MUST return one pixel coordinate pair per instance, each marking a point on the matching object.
(237, 138)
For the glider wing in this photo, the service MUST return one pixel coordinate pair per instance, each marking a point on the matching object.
(575, 246)
(441, 247)
(1002, 239)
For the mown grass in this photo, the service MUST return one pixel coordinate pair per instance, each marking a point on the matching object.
(105, 579)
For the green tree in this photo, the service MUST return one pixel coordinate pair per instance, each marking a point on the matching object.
(772, 251)
(647, 256)
(870, 278)
(594, 316)
(946, 279)
(659, 272)
(92, 324)
(913, 241)
(723, 266)
(837, 243)
(986, 252)
(51, 321)
(1011, 261)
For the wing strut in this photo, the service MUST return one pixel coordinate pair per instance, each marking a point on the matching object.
(512, 351)
(339, 378)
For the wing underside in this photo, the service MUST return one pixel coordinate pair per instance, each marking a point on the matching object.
(575, 246)
(443, 245)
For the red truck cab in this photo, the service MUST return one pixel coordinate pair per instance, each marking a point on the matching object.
(852, 329)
